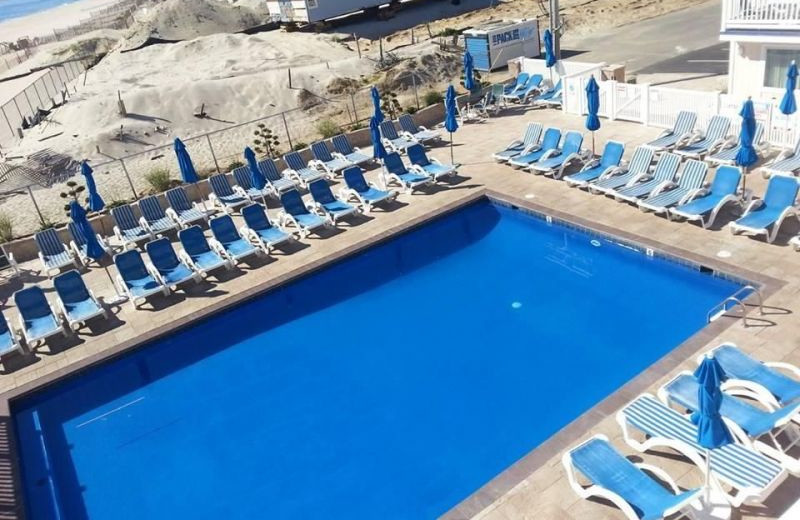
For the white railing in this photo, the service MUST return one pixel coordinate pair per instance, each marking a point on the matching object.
(761, 14)
(659, 107)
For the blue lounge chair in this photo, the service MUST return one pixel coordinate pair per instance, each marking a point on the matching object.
(77, 302)
(325, 161)
(596, 168)
(519, 82)
(491, 103)
(171, 271)
(757, 376)
(689, 185)
(750, 425)
(728, 155)
(136, 279)
(37, 318)
(626, 175)
(128, 230)
(198, 253)
(751, 475)
(345, 150)
(153, 216)
(181, 210)
(228, 241)
(681, 132)
(393, 141)
(52, 253)
(531, 88)
(702, 144)
(394, 170)
(359, 189)
(259, 230)
(296, 214)
(78, 243)
(663, 175)
(276, 182)
(517, 147)
(8, 340)
(299, 172)
(549, 97)
(223, 195)
(706, 206)
(764, 217)
(244, 185)
(416, 132)
(554, 163)
(626, 485)
(786, 163)
(327, 204)
(550, 141)
(429, 167)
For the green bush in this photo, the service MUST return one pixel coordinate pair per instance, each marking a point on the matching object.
(299, 146)
(158, 179)
(115, 204)
(46, 224)
(411, 110)
(235, 164)
(327, 128)
(6, 228)
(432, 97)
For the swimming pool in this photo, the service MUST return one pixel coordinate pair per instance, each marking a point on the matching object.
(389, 385)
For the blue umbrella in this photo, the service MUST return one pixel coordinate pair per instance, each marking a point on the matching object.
(378, 150)
(788, 104)
(469, 74)
(711, 430)
(451, 115)
(376, 102)
(95, 202)
(78, 215)
(747, 155)
(549, 54)
(188, 173)
(256, 175)
(593, 105)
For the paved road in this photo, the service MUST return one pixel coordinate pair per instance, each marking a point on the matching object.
(683, 41)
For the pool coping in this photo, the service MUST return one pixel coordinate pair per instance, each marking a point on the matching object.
(11, 494)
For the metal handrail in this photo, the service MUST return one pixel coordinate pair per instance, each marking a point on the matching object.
(720, 309)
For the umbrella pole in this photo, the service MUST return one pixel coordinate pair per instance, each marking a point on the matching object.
(708, 476)
(451, 147)
(200, 196)
(593, 143)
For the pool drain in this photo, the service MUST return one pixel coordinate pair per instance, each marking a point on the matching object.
(595, 243)
(529, 195)
(516, 305)
(724, 254)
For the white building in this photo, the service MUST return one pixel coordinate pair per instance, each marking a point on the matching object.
(764, 38)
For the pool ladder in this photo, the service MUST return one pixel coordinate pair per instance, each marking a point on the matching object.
(737, 300)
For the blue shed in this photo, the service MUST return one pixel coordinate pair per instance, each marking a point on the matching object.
(492, 45)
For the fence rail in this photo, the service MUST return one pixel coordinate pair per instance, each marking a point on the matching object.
(778, 14)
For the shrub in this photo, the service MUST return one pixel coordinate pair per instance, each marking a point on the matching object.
(6, 228)
(115, 204)
(235, 164)
(299, 146)
(266, 142)
(46, 224)
(158, 179)
(327, 128)
(411, 110)
(432, 97)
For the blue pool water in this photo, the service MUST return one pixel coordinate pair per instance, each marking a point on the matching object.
(17, 8)
(390, 385)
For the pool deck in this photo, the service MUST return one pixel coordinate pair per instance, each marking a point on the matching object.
(535, 487)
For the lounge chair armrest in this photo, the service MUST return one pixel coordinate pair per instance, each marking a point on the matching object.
(184, 257)
(173, 215)
(659, 474)
(62, 310)
(217, 247)
(550, 153)
(614, 170)
(719, 144)
(419, 170)
(317, 165)
(590, 164)
(337, 155)
(240, 192)
(754, 205)
(118, 233)
(694, 194)
(788, 367)
(143, 223)
(73, 247)
(664, 186)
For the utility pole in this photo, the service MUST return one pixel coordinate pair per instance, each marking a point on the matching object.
(555, 28)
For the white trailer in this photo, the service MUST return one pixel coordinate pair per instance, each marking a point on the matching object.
(311, 11)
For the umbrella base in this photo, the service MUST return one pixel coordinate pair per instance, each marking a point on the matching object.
(714, 507)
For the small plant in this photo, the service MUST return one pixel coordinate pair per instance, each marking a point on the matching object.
(356, 126)
(266, 142)
(432, 97)
(390, 105)
(115, 204)
(327, 128)
(73, 190)
(235, 164)
(449, 31)
(411, 110)
(158, 179)
(6, 229)
(46, 224)
(299, 146)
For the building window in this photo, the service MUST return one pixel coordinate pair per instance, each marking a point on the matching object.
(778, 61)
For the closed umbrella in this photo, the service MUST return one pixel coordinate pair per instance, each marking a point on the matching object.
(95, 202)
(376, 103)
(257, 178)
(451, 115)
(747, 155)
(93, 248)
(593, 106)
(711, 430)
(188, 173)
(549, 54)
(469, 72)
(378, 150)
(788, 104)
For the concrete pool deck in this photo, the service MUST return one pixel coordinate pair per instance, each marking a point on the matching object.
(536, 487)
